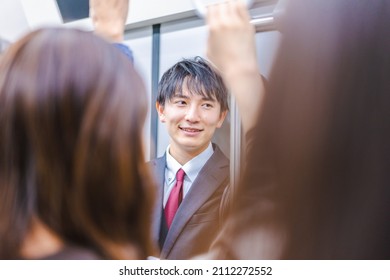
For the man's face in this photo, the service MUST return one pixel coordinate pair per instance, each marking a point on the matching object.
(191, 121)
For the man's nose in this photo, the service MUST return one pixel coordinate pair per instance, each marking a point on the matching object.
(192, 114)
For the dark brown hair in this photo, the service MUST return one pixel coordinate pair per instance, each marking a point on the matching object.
(72, 110)
(319, 168)
(199, 76)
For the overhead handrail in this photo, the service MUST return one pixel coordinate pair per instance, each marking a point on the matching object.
(263, 24)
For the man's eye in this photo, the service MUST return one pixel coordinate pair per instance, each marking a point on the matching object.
(208, 105)
(180, 102)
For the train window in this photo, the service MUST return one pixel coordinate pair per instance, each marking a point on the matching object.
(72, 10)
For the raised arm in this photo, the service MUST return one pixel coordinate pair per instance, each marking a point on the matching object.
(231, 47)
(109, 18)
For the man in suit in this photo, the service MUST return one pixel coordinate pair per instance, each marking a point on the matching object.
(192, 102)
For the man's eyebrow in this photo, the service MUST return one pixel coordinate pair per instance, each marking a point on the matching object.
(205, 98)
(179, 95)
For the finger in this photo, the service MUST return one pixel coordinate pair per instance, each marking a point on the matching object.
(242, 11)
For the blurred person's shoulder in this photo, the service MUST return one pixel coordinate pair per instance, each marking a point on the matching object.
(72, 252)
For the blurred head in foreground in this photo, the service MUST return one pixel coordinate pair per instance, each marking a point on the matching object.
(317, 179)
(72, 110)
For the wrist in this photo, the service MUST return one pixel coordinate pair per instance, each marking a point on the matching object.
(110, 31)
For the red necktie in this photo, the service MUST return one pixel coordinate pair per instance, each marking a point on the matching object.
(175, 198)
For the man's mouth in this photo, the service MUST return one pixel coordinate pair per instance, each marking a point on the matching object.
(189, 129)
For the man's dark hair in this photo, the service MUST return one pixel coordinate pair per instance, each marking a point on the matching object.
(199, 76)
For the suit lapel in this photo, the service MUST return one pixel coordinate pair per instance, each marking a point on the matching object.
(208, 180)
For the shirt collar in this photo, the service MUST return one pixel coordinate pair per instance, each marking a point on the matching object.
(192, 167)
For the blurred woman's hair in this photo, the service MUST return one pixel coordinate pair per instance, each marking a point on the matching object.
(72, 110)
(319, 168)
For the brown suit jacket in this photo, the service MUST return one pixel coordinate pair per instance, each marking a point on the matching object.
(197, 221)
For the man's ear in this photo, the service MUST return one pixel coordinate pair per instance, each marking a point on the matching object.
(222, 118)
(160, 111)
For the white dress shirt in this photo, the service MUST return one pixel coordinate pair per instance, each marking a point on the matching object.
(191, 168)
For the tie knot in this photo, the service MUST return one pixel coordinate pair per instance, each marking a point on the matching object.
(180, 175)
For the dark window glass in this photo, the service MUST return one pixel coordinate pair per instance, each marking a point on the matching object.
(73, 9)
